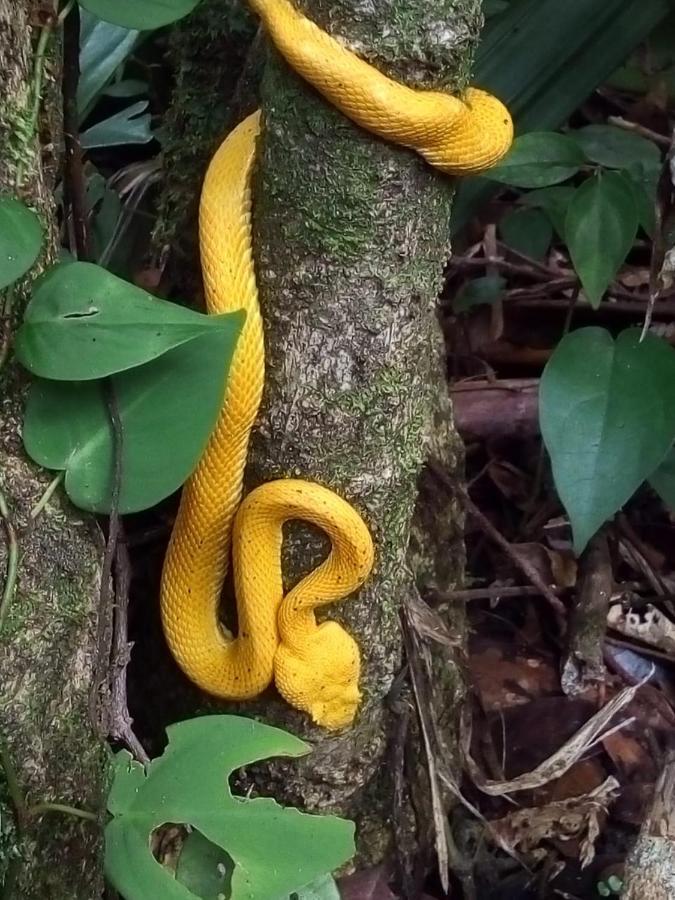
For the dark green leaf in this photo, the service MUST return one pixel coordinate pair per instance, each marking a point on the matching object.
(600, 228)
(103, 48)
(204, 868)
(543, 58)
(128, 87)
(125, 127)
(143, 15)
(643, 182)
(84, 322)
(539, 159)
(554, 202)
(607, 416)
(478, 291)
(167, 408)
(663, 480)
(528, 231)
(275, 850)
(615, 148)
(20, 239)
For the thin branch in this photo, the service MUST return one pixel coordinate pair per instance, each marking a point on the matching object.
(74, 186)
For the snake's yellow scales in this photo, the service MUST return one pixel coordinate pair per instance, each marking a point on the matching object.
(315, 667)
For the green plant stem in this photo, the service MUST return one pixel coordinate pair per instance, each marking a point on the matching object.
(41, 808)
(13, 787)
(12, 561)
(64, 12)
(44, 499)
(36, 95)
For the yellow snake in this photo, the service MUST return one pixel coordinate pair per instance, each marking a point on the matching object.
(315, 666)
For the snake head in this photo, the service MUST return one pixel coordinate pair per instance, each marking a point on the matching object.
(322, 678)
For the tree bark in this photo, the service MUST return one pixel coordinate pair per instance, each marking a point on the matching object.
(47, 644)
(351, 237)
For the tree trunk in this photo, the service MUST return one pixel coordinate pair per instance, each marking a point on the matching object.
(351, 237)
(47, 644)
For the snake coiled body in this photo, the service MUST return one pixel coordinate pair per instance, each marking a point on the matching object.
(315, 667)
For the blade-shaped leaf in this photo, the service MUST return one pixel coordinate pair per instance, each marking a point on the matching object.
(20, 239)
(539, 159)
(84, 323)
(167, 409)
(103, 48)
(600, 227)
(275, 850)
(145, 15)
(125, 127)
(543, 58)
(607, 416)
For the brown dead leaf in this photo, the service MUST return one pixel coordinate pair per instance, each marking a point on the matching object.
(502, 682)
(554, 566)
(576, 818)
(650, 626)
(511, 481)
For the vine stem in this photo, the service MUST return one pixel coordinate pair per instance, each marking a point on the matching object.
(41, 808)
(12, 561)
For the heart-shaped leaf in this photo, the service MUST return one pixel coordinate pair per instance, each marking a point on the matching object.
(607, 416)
(663, 480)
(143, 15)
(538, 159)
(20, 239)
(601, 224)
(528, 231)
(275, 850)
(168, 409)
(84, 322)
(554, 201)
(616, 148)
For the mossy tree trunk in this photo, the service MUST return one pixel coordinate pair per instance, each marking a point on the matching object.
(351, 238)
(47, 642)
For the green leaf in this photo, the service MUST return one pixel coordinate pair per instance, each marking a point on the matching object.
(663, 480)
(607, 416)
(20, 239)
(167, 408)
(275, 850)
(323, 888)
(553, 201)
(142, 15)
(527, 230)
(478, 291)
(125, 127)
(204, 868)
(83, 323)
(643, 180)
(616, 148)
(600, 228)
(539, 159)
(103, 49)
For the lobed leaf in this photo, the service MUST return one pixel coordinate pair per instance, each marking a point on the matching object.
(275, 850)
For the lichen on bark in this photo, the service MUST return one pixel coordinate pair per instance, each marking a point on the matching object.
(47, 644)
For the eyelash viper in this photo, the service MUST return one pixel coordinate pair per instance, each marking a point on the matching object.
(315, 667)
